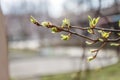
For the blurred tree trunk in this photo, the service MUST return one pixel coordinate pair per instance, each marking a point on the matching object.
(83, 75)
(3, 51)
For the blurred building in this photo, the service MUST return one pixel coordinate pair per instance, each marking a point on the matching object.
(19, 27)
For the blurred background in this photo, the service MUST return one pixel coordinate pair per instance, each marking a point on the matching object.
(37, 54)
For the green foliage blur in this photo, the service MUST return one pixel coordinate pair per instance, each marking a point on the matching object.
(107, 73)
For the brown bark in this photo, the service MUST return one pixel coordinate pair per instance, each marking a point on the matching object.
(3, 51)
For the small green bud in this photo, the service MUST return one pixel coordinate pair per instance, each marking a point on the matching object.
(66, 22)
(100, 31)
(32, 19)
(88, 42)
(100, 39)
(115, 44)
(90, 58)
(118, 34)
(54, 29)
(65, 37)
(93, 51)
(91, 31)
(105, 34)
(45, 24)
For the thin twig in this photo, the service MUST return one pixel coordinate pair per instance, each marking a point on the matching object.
(96, 28)
(97, 50)
(113, 40)
(104, 29)
(80, 35)
(86, 28)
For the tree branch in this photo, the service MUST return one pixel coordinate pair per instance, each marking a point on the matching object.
(96, 28)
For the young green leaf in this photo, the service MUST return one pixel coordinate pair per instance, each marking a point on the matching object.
(93, 22)
(89, 18)
(97, 19)
(90, 24)
(88, 42)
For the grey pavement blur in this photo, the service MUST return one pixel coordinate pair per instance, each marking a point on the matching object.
(41, 65)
